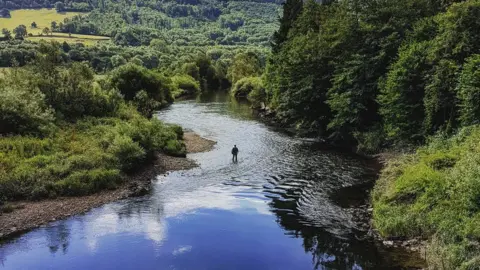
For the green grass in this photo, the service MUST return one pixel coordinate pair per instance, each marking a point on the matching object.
(43, 18)
(88, 40)
(92, 155)
(435, 194)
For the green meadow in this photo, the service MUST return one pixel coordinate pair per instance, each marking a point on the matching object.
(43, 18)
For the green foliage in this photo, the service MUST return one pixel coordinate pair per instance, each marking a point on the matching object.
(118, 60)
(469, 91)
(248, 87)
(83, 158)
(128, 152)
(22, 105)
(184, 85)
(440, 99)
(370, 142)
(105, 139)
(291, 11)
(148, 88)
(175, 148)
(244, 65)
(402, 94)
(20, 31)
(434, 194)
(344, 68)
(73, 93)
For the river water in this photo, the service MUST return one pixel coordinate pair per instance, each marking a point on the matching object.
(279, 207)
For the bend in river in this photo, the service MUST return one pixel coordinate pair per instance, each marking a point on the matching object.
(277, 208)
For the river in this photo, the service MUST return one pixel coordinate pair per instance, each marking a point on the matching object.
(279, 207)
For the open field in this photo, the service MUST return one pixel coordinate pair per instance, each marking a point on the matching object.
(74, 38)
(43, 18)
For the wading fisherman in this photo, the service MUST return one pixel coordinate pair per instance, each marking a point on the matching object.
(234, 153)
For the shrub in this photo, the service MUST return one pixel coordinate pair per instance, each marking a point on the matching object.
(184, 85)
(22, 108)
(178, 130)
(145, 105)
(175, 148)
(129, 153)
(73, 93)
(245, 86)
(86, 182)
(130, 79)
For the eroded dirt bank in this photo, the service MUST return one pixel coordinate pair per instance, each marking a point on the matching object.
(29, 215)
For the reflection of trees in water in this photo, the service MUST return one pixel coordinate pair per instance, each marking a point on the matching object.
(3, 256)
(328, 250)
(141, 206)
(238, 108)
(58, 237)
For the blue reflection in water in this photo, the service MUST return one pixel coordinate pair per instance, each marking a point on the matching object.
(272, 210)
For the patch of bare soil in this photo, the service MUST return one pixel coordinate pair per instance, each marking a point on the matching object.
(28, 215)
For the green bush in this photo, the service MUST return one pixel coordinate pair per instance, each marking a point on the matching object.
(175, 148)
(104, 139)
(178, 130)
(73, 93)
(245, 86)
(184, 85)
(129, 153)
(22, 108)
(130, 79)
(145, 105)
(86, 182)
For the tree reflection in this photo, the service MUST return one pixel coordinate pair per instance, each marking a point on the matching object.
(58, 237)
(329, 250)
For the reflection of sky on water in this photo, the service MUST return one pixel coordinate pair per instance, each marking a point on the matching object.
(271, 210)
(213, 197)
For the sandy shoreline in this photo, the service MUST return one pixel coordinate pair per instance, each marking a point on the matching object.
(29, 215)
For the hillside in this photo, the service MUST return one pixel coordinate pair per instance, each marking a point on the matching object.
(182, 22)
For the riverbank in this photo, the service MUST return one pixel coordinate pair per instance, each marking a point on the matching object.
(430, 199)
(27, 215)
(357, 199)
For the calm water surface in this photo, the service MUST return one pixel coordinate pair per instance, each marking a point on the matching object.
(271, 210)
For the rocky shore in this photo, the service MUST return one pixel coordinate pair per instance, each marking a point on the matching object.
(25, 216)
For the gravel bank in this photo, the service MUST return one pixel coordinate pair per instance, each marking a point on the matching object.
(29, 215)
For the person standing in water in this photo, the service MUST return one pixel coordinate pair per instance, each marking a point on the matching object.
(234, 153)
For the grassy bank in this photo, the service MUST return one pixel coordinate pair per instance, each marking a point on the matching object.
(435, 194)
(82, 158)
(64, 132)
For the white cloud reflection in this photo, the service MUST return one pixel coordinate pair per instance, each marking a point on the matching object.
(148, 217)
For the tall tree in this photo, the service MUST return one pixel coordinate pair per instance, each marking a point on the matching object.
(291, 11)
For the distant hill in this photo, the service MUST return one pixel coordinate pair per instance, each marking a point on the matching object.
(179, 22)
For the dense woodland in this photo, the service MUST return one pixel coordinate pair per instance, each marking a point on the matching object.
(372, 73)
(376, 74)
(193, 23)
